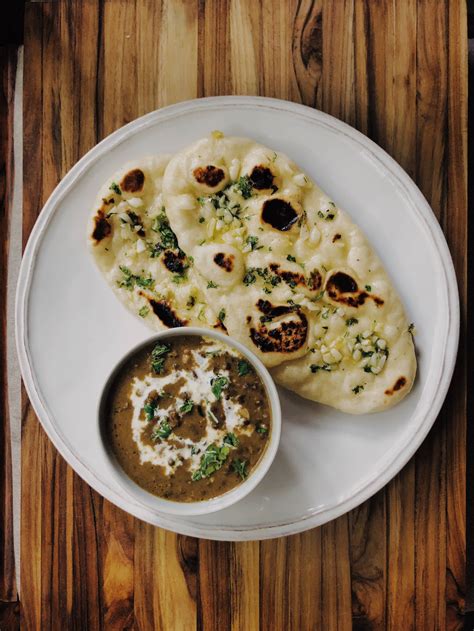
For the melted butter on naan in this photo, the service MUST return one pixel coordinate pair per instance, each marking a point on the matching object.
(134, 247)
(293, 277)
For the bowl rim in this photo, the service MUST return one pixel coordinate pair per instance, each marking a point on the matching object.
(202, 507)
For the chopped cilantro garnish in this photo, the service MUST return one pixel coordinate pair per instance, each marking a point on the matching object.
(252, 241)
(163, 430)
(291, 258)
(115, 188)
(158, 356)
(177, 279)
(211, 461)
(351, 321)
(411, 327)
(315, 367)
(221, 315)
(357, 389)
(243, 367)
(368, 288)
(231, 439)
(187, 407)
(261, 429)
(162, 226)
(240, 467)
(212, 285)
(201, 220)
(150, 408)
(244, 186)
(218, 384)
(249, 277)
(144, 311)
(130, 280)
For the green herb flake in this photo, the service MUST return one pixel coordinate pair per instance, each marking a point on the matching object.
(315, 367)
(261, 429)
(212, 285)
(178, 279)
(368, 287)
(221, 315)
(144, 311)
(249, 277)
(357, 389)
(218, 384)
(115, 188)
(231, 439)
(150, 408)
(244, 186)
(162, 430)
(291, 258)
(252, 241)
(162, 227)
(411, 328)
(211, 461)
(130, 279)
(351, 321)
(243, 367)
(201, 220)
(187, 407)
(240, 467)
(158, 356)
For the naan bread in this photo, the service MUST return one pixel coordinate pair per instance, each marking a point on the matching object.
(291, 275)
(137, 252)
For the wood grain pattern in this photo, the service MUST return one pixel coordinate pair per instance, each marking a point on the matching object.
(394, 70)
(8, 588)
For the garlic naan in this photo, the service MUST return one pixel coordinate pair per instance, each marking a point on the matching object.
(134, 247)
(289, 274)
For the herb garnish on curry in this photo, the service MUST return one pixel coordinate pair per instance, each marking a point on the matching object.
(188, 418)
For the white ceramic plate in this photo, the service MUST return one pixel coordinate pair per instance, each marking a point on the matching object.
(71, 329)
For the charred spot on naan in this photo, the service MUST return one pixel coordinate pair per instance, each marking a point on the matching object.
(133, 181)
(273, 311)
(163, 310)
(209, 175)
(226, 261)
(397, 386)
(175, 261)
(290, 278)
(279, 213)
(102, 227)
(288, 337)
(314, 280)
(342, 288)
(262, 178)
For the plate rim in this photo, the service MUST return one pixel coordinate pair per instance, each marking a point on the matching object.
(317, 517)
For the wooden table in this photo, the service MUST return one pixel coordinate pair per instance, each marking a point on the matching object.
(395, 70)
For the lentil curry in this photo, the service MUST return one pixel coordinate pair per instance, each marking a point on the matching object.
(188, 418)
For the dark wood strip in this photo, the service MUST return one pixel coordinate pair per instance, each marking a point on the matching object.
(308, 51)
(456, 223)
(214, 602)
(33, 439)
(8, 63)
(430, 461)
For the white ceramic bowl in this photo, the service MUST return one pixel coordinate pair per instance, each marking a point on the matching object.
(226, 499)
